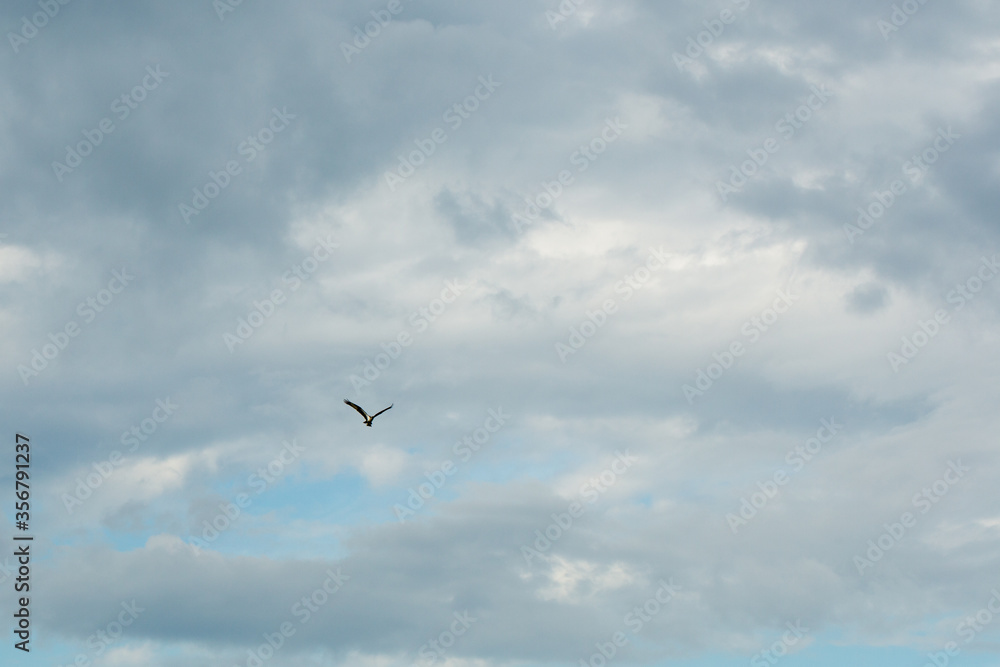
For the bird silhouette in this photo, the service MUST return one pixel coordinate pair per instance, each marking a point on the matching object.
(368, 420)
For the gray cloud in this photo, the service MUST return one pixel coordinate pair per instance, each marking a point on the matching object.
(248, 262)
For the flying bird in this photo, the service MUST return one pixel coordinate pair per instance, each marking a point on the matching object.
(368, 420)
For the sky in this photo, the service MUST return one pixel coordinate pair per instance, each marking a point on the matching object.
(686, 312)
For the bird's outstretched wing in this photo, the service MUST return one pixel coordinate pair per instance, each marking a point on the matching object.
(358, 408)
(380, 412)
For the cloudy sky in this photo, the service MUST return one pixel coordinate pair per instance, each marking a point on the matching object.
(686, 311)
